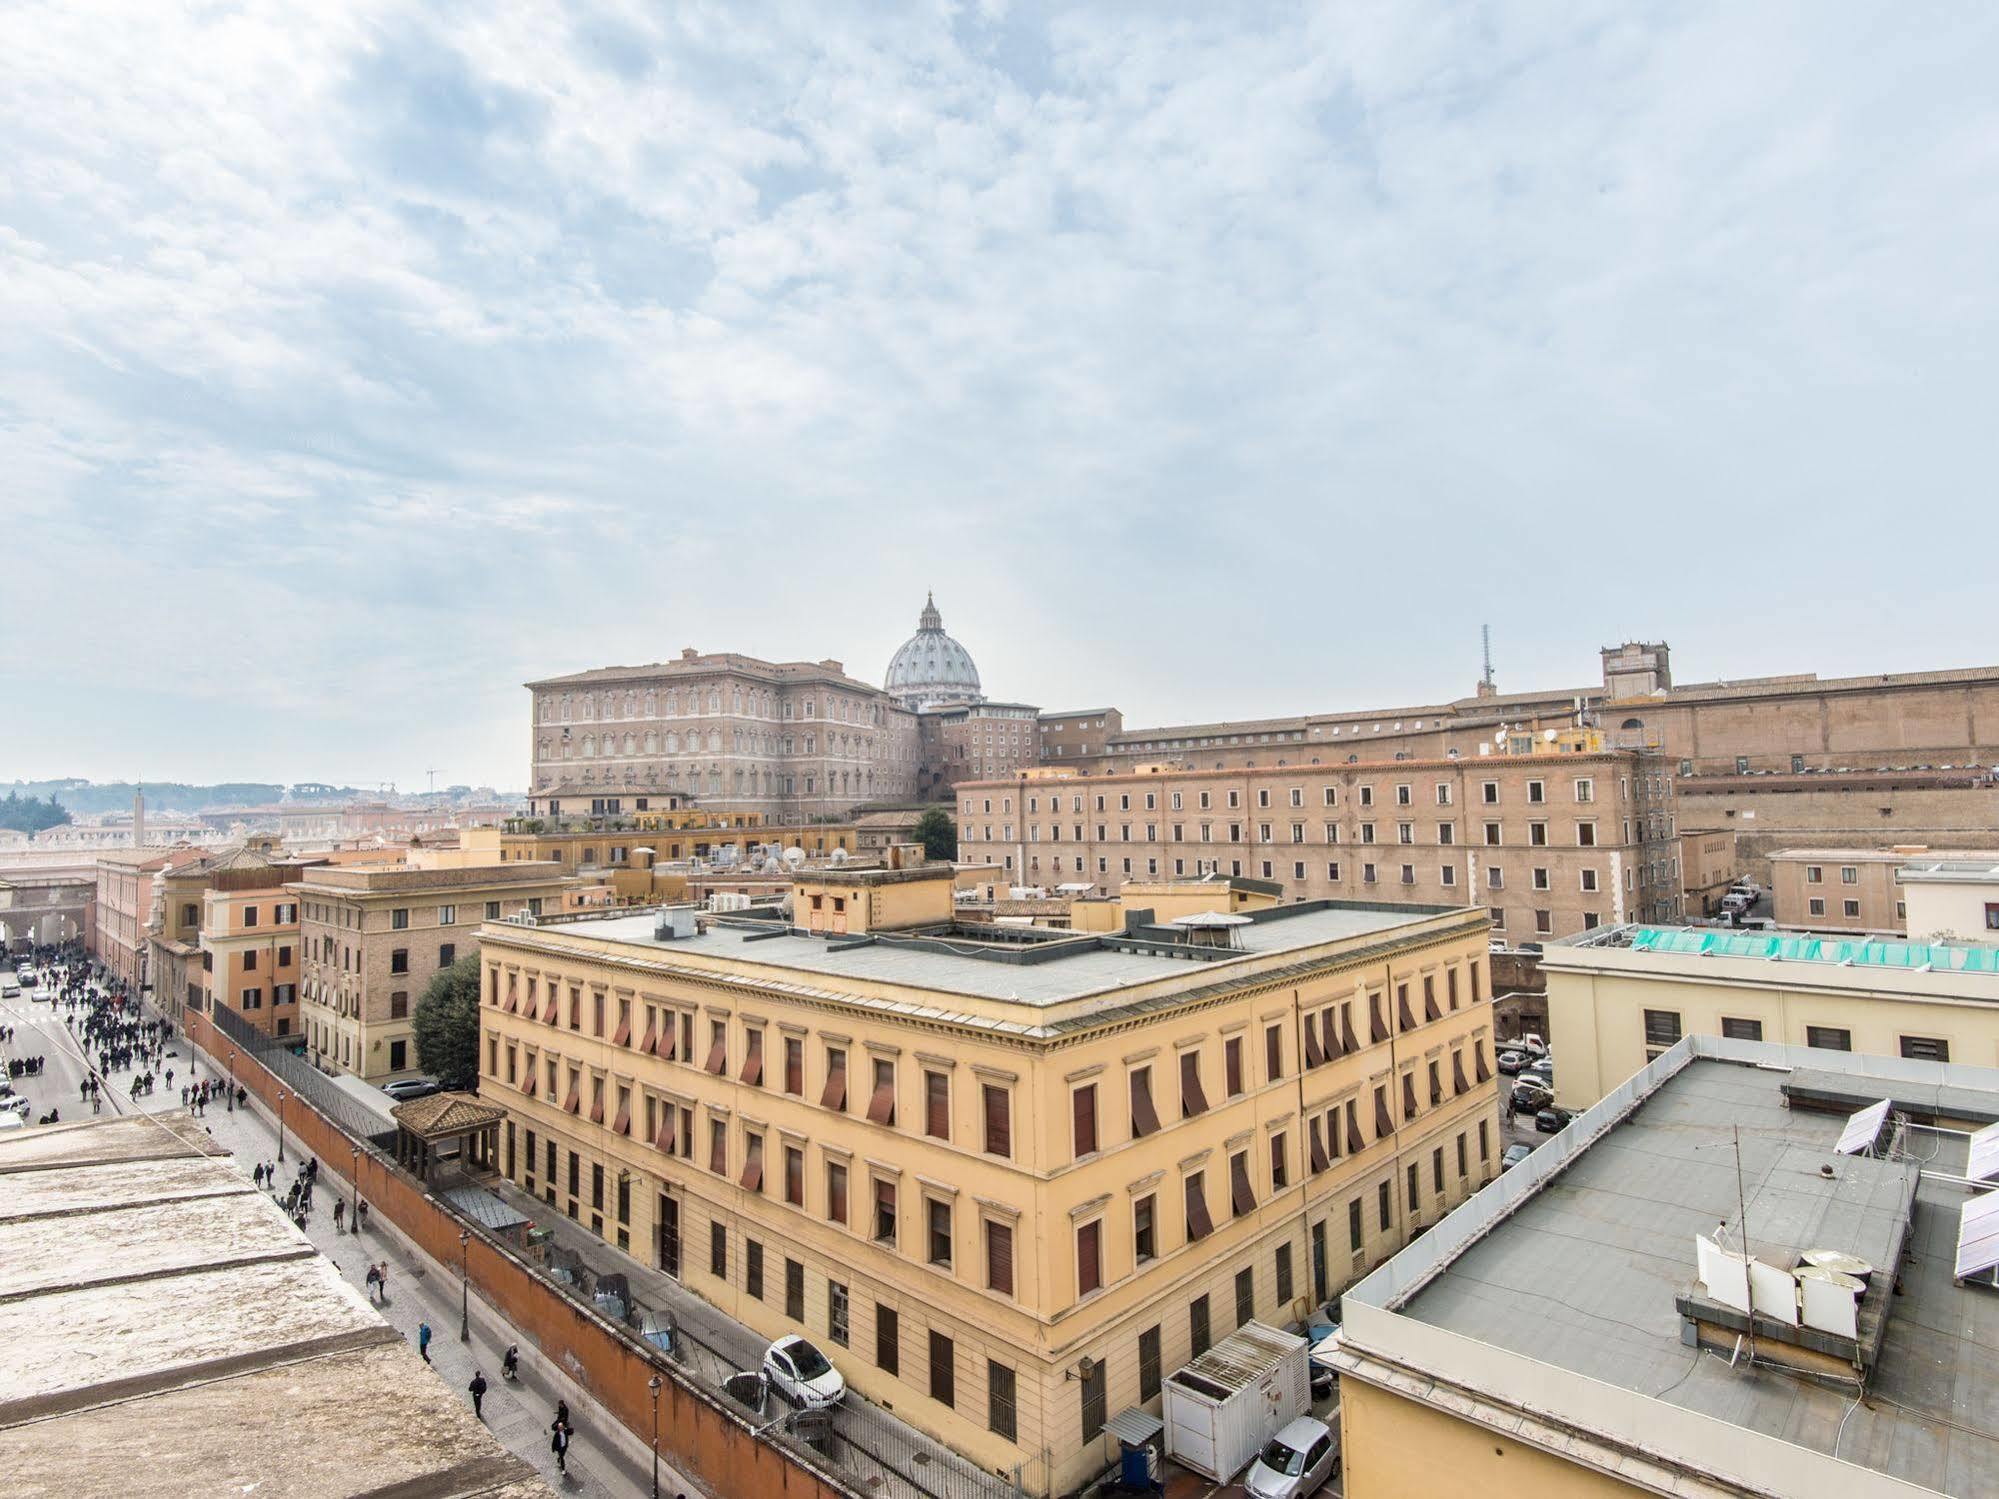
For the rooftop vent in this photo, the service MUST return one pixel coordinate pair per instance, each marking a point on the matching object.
(675, 924)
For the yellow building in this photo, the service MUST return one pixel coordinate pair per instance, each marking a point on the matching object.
(1618, 998)
(1008, 1180)
(1584, 1326)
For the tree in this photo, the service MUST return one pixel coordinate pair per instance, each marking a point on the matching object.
(446, 1025)
(938, 834)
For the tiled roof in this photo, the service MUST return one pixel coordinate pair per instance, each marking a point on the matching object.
(446, 1114)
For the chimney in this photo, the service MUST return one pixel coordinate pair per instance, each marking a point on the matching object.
(139, 818)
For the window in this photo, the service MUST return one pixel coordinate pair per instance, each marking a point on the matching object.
(943, 1384)
(1144, 1118)
(1537, 791)
(1198, 1334)
(447, 915)
(399, 1005)
(1814, 874)
(1926, 1048)
(1356, 1230)
(888, 1339)
(881, 1107)
(1815, 906)
(1232, 1066)
(836, 1312)
(447, 954)
(399, 919)
(885, 1212)
(753, 1269)
(999, 1257)
(1284, 1285)
(999, 1120)
(1148, 1363)
(794, 1290)
(794, 1176)
(1144, 1231)
(937, 1235)
(399, 960)
(1192, 1100)
(1199, 1224)
(492, 910)
(1849, 875)
(936, 1105)
(1000, 1410)
(718, 1251)
(1242, 1197)
(1273, 1052)
(1245, 1295)
(836, 1193)
(794, 1065)
(1095, 1402)
(1083, 1108)
(1662, 1027)
(1280, 1175)
(1741, 1030)
(1089, 1258)
(1851, 908)
(1829, 1038)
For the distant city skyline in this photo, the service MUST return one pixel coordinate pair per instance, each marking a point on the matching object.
(360, 366)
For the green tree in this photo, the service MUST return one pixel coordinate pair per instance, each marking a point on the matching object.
(446, 1025)
(938, 834)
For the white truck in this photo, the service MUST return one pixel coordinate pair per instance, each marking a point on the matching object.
(1221, 1408)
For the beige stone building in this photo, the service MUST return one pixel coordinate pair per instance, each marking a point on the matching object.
(1007, 1185)
(1560, 839)
(127, 906)
(1838, 889)
(372, 937)
(1954, 898)
(1707, 869)
(794, 741)
(1618, 998)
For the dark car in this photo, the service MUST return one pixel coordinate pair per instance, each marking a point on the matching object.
(1551, 1119)
(1515, 1154)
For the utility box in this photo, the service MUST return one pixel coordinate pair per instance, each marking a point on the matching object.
(1221, 1408)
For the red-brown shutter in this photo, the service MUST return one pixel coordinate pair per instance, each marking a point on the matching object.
(1192, 1100)
(1241, 1198)
(597, 1104)
(623, 1123)
(533, 1078)
(1089, 1258)
(881, 1107)
(1231, 1065)
(1404, 1018)
(1144, 1118)
(794, 1066)
(623, 1035)
(1458, 1083)
(1347, 1037)
(1383, 1125)
(1436, 1084)
(794, 1176)
(1333, 1132)
(752, 1179)
(999, 1122)
(1315, 1054)
(835, 1096)
(999, 1257)
(663, 1140)
(718, 1151)
(574, 1103)
(1430, 1010)
(753, 1061)
(552, 1012)
(651, 1038)
(836, 1195)
(937, 1105)
(1319, 1159)
(1479, 1068)
(1273, 1053)
(1354, 1140)
(1199, 1224)
(667, 1046)
(1408, 1095)
(1377, 1028)
(718, 1054)
(1083, 1103)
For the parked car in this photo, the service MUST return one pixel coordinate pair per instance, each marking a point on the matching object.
(27, 977)
(1532, 948)
(404, 1089)
(1531, 1096)
(1510, 1062)
(15, 1103)
(1496, 946)
(1539, 1072)
(1552, 1119)
(802, 1374)
(1295, 1462)
(10, 987)
(1515, 1154)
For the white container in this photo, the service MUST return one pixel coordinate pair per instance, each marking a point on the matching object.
(1221, 1408)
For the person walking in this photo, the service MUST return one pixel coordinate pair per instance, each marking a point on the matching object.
(423, 1340)
(382, 1275)
(478, 1389)
(374, 1280)
(339, 1213)
(558, 1443)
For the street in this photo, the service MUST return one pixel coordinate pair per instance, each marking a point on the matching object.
(605, 1459)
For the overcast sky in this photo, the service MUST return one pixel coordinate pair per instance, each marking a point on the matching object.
(359, 362)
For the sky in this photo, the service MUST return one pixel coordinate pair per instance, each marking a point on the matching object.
(361, 362)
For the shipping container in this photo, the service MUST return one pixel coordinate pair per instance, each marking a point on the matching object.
(1221, 1408)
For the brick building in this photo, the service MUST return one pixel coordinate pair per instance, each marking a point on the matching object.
(1559, 840)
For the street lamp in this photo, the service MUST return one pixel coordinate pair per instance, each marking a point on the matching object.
(653, 1384)
(281, 1122)
(355, 1220)
(464, 1286)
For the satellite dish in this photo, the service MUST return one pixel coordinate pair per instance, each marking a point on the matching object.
(1548, 735)
(839, 856)
(794, 856)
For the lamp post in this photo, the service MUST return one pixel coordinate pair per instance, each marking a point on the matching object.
(653, 1384)
(464, 1285)
(355, 1220)
(232, 1078)
(281, 1124)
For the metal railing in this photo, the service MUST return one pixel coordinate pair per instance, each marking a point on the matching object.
(297, 1073)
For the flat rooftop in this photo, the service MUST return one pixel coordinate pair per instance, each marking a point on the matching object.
(1581, 1269)
(950, 964)
(169, 1331)
(1789, 947)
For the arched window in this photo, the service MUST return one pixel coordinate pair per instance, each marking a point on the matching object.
(651, 742)
(1634, 723)
(737, 702)
(631, 744)
(589, 745)
(715, 742)
(673, 702)
(565, 707)
(715, 701)
(652, 704)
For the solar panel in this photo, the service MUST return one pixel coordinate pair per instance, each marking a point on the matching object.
(1978, 1235)
(1862, 1129)
(1984, 1162)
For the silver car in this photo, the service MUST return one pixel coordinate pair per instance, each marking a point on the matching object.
(1295, 1462)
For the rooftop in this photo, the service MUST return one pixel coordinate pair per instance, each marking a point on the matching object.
(1958, 869)
(1053, 968)
(365, 879)
(1788, 947)
(1569, 1275)
(109, 1232)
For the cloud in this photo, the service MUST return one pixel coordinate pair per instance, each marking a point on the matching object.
(1209, 361)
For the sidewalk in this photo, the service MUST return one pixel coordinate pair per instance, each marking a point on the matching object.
(604, 1460)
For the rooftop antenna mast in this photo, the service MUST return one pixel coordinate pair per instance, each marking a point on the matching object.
(432, 773)
(1485, 637)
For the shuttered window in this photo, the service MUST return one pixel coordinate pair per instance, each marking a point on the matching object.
(936, 1106)
(794, 1066)
(794, 1176)
(1199, 1224)
(1404, 1018)
(1430, 1010)
(1377, 1028)
(1273, 1053)
(1436, 1084)
(881, 1107)
(884, 1212)
(718, 1048)
(1144, 1119)
(1458, 1083)
(663, 1140)
(1408, 1095)
(1192, 1100)
(753, 1060)
(1089, 1258)
(1231, 1065)
(718, 1147)
(999, 1121)
(1317, 1142)
(1315, 1054)
(835, 1096)
(1480, 1068)
(836, 1194)
(752, 1179)
(1347, 1037)
(651, 1038)
(623, 1035)
(1355, 1142)
(1083, 1104)
(1383, 1125)
(1241, 1198)
(888, 1339)
(943, 1370)
(1280, 1163)
(999, 1257)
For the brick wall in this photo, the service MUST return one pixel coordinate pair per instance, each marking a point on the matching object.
(700, 1434)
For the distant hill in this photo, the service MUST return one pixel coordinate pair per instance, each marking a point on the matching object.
(89, 798)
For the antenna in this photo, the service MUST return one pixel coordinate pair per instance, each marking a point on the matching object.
(1485, 637)
(432, 773)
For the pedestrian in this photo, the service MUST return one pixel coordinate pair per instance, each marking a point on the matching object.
(361, 1216)
(562, 1414)
(382, 1274)
(257, 1173)
(558, 1443)
(339, 1214)
(374, 1280)
(423, 1340)
(478, 1389)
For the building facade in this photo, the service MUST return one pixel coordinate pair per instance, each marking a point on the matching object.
(1005, 1199)
(250, 946)
(1952, 899)
(1616, 999)
(126, 907)
(975, 742)
(1707, 869)
(794, 741)
(1553, 842)
(1838, 889)
(371, 938)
